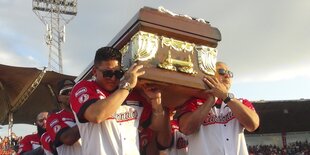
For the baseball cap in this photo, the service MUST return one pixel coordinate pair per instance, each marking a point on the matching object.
(65, 85)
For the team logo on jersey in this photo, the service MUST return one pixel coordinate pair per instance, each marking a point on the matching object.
(54, 122)
(56, 128)
(80, 91)
(126, 116)
(221, 119)
(83, 98)
(67, 119)
(181, 143)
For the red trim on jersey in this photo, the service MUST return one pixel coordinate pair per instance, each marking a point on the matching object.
(174, 125)
(46, 141)
(247, 103)
(190, 105)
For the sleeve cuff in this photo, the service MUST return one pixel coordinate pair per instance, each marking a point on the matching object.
(82, 110)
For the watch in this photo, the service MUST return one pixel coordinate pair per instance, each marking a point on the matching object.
(229, 97)
(125, 85)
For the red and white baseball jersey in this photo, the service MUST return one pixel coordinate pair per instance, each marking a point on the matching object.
(28, 143)
(180, 143)
(46, 142)
(56, 124)
(118, 135)
(220, 133)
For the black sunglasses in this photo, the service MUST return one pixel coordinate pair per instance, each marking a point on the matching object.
(110, 73)
(65, 91)
(224, 72)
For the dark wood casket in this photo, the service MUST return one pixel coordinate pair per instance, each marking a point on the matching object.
(176, 51)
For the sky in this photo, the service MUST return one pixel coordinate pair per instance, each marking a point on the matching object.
(18, 129)
(265, 43)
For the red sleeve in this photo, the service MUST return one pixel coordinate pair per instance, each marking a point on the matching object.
(82, 96)
(190, 106)
(52, 122)
(57, 123)
(25, 145)
(46, 141)
(248, 104)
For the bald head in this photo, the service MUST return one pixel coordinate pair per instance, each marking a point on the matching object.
(221, 63)
(224, 78)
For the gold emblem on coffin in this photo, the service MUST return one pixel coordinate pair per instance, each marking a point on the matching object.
(185, 66)
(207, 58)
(144, 46)
(178, 65)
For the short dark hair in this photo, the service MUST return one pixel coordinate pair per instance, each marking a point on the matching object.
(107, 53)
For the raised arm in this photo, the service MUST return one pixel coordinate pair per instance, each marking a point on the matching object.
(164, 135)
(246, 116)
(104, 108)
(190, 122)
(160, 117)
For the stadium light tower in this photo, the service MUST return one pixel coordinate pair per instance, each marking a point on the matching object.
(55, 14)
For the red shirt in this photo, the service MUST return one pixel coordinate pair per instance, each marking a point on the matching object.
(28, 143)
(46, 142)
(57, 123)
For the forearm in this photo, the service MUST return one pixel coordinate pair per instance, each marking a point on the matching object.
(191, 121)
(164, 135)
(246, 116)
(158, 117)
(70, 136)
(104, 108)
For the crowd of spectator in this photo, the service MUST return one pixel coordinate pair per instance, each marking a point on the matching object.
(295, 148)
(7, 146)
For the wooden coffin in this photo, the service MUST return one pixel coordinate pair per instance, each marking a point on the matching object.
(177, 51)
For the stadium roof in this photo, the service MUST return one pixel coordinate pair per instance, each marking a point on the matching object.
(16, 96)
(283, 116)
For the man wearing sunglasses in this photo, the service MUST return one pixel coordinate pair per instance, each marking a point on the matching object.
(109, 112)
(61, 125)
(215, 125)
